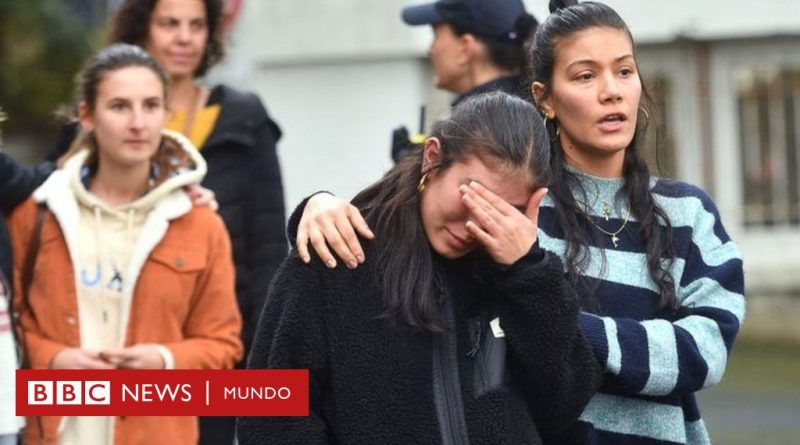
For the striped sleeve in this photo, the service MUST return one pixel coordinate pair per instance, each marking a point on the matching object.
(660, 357)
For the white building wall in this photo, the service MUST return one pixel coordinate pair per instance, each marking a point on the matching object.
(675, 63)
(772, 254)
(665, 20)
(337, 121)
(338, 75)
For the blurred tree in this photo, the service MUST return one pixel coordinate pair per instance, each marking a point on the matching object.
(42, 46)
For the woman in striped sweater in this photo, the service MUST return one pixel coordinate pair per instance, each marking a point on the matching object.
(662, 281)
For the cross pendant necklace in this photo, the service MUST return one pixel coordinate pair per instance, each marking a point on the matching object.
(613, 235)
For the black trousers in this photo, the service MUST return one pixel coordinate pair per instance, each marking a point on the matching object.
(217, 430)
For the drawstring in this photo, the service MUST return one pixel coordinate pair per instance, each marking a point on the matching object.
(98, 221)
(98, 218)
(131, 214)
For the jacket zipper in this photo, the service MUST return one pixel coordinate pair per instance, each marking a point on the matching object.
(447, 384)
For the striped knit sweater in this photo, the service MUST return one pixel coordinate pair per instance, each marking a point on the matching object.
(654, 362)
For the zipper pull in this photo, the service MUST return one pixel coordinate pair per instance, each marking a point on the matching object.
(476, 345)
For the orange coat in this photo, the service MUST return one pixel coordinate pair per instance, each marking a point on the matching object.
(184, 299)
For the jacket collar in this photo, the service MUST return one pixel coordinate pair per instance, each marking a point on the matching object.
(509, 84)
(168, 199)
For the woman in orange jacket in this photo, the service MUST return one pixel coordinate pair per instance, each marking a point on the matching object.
(127, 274)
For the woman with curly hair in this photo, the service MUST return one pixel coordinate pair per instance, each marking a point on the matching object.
(235, 135)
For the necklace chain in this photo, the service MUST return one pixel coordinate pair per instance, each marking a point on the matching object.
(613, 235)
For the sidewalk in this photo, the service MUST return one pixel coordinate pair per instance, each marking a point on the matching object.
(758, 401)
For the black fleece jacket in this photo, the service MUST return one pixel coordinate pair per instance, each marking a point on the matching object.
(244, 173)
(17, 182)
(378, 381)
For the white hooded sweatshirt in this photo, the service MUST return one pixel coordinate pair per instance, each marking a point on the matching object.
(108, 247)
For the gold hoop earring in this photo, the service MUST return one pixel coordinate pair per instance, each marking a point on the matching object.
(558, 129)
(421, 185)
(644, 111)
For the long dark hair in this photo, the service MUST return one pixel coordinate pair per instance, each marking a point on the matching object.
(499, 129)
(568, 17)
(131, 24)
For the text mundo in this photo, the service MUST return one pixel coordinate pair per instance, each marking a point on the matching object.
(258, 393)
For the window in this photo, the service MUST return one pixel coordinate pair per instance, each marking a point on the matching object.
(662, 161)
(769, 140)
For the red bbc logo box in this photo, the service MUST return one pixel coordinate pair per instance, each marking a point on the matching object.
(69, 392)
(275, 392)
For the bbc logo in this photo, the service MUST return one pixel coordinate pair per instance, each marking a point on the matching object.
(58, 392)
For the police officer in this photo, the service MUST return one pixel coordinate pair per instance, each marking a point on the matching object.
(478, 46)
